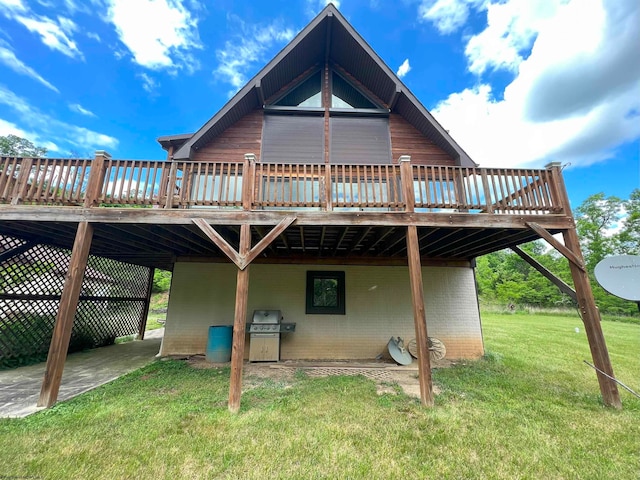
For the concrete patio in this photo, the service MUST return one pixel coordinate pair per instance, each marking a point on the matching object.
(84, 371)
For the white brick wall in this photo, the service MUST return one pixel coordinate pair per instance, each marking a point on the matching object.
(378, 306)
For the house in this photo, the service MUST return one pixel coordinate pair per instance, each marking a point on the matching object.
(323, 189)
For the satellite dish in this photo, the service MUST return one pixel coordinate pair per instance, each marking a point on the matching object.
(620, 276)
(398, 352)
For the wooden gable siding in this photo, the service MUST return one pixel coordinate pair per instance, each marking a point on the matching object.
(245, 136)
(407, 140)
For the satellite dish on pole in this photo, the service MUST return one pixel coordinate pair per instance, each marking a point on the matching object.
(620, 276)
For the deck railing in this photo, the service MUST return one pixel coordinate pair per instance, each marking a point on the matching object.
(43, 180)
(489, 190)
(255, 185)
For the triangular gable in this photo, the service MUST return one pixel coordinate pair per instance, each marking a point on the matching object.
(328, 37)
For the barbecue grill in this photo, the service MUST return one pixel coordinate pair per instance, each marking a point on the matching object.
(265, 329)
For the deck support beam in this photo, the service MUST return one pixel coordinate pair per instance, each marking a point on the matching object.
(563, 287)
(591, 320)
(142, 325)
(588, 309)
(66, 313)
(419, 318)
(239, 324)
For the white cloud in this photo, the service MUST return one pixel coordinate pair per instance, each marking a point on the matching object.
(8, 128)
(575, 94)
(76, 107)
(511, 29)
(53, 33)
(446, 15)
(94, 36)
(404, 68)
(13, 6)
(8, 57)
(159, 33)
(244, 53)
(45, 130)
(73, 6)
(148, 83)
(314, 6)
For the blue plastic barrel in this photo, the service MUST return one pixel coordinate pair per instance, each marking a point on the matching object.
(219, 343)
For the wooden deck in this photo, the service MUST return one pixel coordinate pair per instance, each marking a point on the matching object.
(156, 213)
(144, 211)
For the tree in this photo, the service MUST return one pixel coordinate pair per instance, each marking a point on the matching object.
(14, 146)
(628, 240)
(606, 226)
(595, 220)
(161, 281)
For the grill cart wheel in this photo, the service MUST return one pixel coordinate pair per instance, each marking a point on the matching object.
(437, 350)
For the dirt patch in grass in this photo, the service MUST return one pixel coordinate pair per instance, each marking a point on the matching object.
(389, 377)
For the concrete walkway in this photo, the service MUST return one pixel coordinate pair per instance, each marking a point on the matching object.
(83, 371)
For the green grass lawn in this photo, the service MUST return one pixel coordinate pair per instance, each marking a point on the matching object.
(530, 409)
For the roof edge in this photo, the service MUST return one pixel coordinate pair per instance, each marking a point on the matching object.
(184, 152)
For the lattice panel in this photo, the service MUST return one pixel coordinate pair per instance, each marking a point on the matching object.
(111, 304)
(25, 328)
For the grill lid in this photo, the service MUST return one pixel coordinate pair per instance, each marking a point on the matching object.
(267, 316)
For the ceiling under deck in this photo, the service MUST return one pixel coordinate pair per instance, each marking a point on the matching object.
(161, 245)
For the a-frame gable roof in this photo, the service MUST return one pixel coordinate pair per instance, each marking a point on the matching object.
(329, 37)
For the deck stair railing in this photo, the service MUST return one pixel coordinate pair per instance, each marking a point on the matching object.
(103, 181)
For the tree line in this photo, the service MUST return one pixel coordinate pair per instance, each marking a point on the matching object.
(606, 226)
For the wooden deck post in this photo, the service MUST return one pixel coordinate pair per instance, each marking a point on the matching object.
(171, 186)
(96, 179)
(249, 178)
(406, 178)
(22, 181)
(419, 318)
(142, 325)
(64, 319)
(588, 309)
(239, 323)
(164, 178)
(417, 289)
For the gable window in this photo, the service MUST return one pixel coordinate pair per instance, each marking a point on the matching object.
(307, 94)
(345, 95)
(325, 293)
(296, 122)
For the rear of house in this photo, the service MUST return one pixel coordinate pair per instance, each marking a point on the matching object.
(323, 189)
(377, 301)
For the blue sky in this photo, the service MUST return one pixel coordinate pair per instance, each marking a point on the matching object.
(516, 82)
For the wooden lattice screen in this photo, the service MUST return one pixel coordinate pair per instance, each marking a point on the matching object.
(112, 300)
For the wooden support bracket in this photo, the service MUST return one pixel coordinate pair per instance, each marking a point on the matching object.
(219, 240)
(572, 257)
(266, 241)
(243, 261)
(564, 288)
